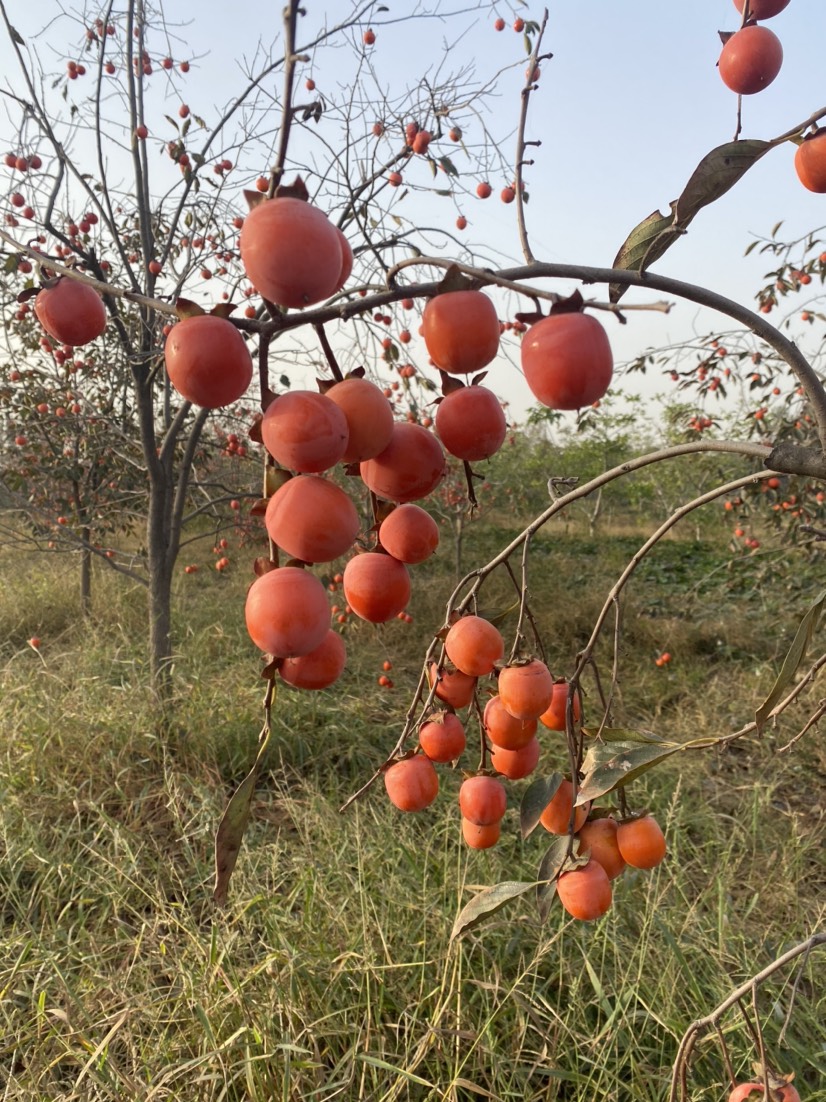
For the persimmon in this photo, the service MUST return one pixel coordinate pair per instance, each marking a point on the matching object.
(810, 161)
(291, 252)
(461, 331)
(312, 519)
(567, 360)
(505, 730)
(750, 60)
(599, 836)
(554, 715)
(70, 311)
(442, 737)
(346, 259)
(482, 800)
(585, 893)
(471, 423)
(376, 586)
(320, 668)
(207, 361)
(516, 764)
(786, 1093)
(409, 534)
(481, 837)
(641, 842)
(286, 612)
(304, 431)
(410, 467)
(762, 9)
(412, 784)
(452, 686)
(526, 690)
(368, 414)
(557, 815)
(473, 645)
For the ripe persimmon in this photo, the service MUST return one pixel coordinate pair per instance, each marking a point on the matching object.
(409, 468)
(641, 842)
(585, 893)
(750, 60)
(557, 815)
(304, 431)
(368, 414)
(810, 161)
(473, 645)
(412, 784)
(567, 360)
(526, 690)
(70, 311)
(461, 331)
(442, 737)
(471, 423)
(787, 1093)
(505, 730)
(762, 9)
(409, 534)
(286, 612)
(320, 668)
(312, 519)
(554, 715)
(516, 764)
(452, 686)
(600, 837)
(291, 252)
(376, 586)
(482, 800)
(481, 837)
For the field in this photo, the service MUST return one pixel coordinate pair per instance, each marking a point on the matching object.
(331, 974)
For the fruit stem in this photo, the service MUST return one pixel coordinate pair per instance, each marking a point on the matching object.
(328, 352)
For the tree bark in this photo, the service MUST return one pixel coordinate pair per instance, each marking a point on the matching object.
(86, 573)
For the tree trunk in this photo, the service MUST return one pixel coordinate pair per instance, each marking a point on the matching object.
(86, 573)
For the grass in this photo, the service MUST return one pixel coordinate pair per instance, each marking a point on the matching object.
(331, 975)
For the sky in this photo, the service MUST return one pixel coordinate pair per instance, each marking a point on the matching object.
(627, 106)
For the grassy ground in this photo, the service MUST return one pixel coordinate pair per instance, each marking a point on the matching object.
(330, 975)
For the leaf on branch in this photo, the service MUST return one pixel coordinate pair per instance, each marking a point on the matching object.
(795, 655)
(448, 166)
(234, 823)
(610, 765)
(16, 37)
(552, 862)
(488, 902)
(536, 798)
(716, 174)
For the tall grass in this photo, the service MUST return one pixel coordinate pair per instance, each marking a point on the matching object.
(331, 974)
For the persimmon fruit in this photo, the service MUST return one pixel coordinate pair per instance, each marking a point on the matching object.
(207, 361)
(526, 690)
(368, 414)
(554, 715)
(305, 431)
(291, 252)
(585, 893)
(320, 668)
(641, 842)
(409, 534)
(516, 764)
(762, 9)
(600, 837)
(505, 730)
(557, 815)
(471, 423)
(409, 468)
(442, 737)
(412, 784)
(312, 519)
(474, 645)
(567, 360)
(750, 60)
(482, 800)
(70, 311)
(286, 612)
(787, 1093)
(452, 686)
(481, 836)
(461, 331)
(810, 162)
(376, 586)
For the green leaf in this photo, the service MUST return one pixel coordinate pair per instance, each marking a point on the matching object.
(488, 902)
(610, 765)
(536, 798)
(645, 243)
(621, 734)
(795, 655)
(234, 823)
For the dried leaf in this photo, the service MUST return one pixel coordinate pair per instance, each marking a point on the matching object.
(488, 902)
(609, 765)
(234, 823)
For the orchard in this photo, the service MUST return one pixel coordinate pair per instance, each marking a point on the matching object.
(294, 327)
